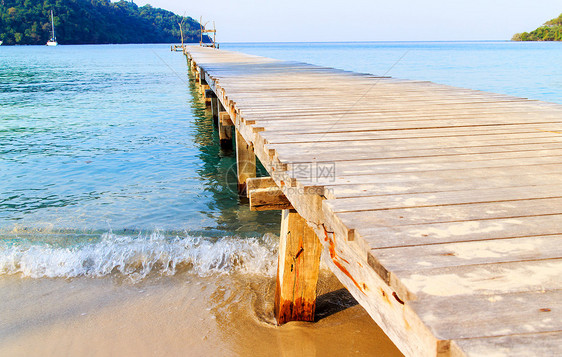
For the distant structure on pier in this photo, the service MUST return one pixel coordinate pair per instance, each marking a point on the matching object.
(204, 32)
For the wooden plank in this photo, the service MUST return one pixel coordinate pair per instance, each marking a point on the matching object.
(319, 142)
(469, 253)
(435, 233)
(545, 148)
(342, 127)
(517, 345)
(550, 189)
(414, 134)
(449, 213)
(481, 279)
(225, 119)
(452, 174)
(298, 268)
(265, 195)
(446, 185)
(449, 142)
(260, 182)
(463, 162)
(463, 317)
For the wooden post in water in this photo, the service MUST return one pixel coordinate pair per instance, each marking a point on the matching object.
(224, 127)
(209, 95)
(299, 253)
(195, 71)
(214, 110)
(245, 162)
(298, 268)
(203, 86)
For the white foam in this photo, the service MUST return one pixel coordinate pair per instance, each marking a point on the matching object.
(136, 257)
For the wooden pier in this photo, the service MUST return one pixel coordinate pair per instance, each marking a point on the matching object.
(439, 208)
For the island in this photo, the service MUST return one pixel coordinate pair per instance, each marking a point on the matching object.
(25, 22)
(549, 31)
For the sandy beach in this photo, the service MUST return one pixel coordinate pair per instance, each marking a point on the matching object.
(177, 315)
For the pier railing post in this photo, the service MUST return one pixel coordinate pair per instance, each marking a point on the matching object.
(245, 162)
(298, 268)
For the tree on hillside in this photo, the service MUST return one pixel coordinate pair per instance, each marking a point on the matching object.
(27, 22)
(549, 31)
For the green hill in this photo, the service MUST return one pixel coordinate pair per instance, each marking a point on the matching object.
(27, 22)
(550, 31)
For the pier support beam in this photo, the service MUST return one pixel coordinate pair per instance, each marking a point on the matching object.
(298, 268)
(209, 94)
(265, 195)
(245, 162)
(214, 110)
(203, 89)
(224, 126)
(211, 102)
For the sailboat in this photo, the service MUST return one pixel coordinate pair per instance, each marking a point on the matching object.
(53, 40)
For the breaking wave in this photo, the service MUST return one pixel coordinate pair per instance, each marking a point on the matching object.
(136, 257)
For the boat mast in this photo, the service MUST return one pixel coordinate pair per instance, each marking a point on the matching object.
(54, 38)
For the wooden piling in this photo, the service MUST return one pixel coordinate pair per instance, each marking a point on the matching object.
(214, 110)
(298, 267)
(245, 162)
(225, 131)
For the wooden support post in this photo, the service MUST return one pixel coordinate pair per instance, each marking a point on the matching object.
(209, 95)
(225, 131)
(193, 69)
(214, 110)
(245, 162)
(298, 268)
(203, 85)
(203, 88)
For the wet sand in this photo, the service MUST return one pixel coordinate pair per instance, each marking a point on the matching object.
(184, 314)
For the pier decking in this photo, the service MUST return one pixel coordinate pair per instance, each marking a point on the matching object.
(439, 208)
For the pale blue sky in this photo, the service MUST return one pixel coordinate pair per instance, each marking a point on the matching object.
(364, 20)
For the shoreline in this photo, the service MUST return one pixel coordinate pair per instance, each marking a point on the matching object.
(180, 314)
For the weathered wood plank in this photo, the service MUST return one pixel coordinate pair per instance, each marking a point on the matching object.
(521, 345)
(436, 233)
(447, 185)
(494, 195)
(469, 253)
(414, 134)
(463, 317)
(265, 195)
(481, 279)
(450, 213)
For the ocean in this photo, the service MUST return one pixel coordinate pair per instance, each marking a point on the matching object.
(121, 231)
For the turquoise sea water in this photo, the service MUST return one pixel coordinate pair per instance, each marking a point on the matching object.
(107, 154)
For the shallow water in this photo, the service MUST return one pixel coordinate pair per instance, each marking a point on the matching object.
(105, 144)
(118, 210)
